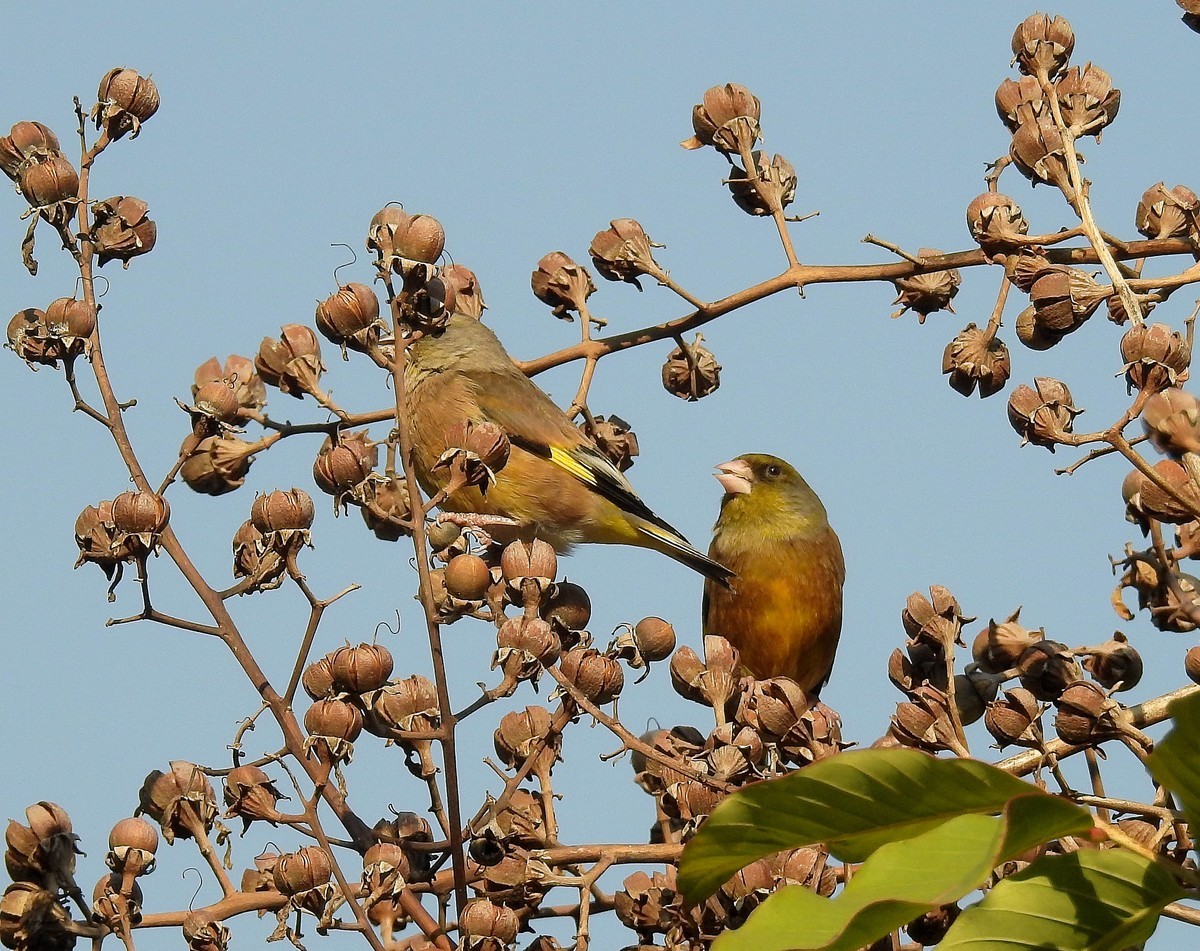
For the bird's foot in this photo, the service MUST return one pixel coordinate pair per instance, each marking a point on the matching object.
(477, 523)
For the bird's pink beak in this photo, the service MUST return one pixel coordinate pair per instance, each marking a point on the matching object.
(735, 477)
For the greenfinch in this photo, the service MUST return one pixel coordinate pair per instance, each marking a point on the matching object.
(784, 610)
(556, 484)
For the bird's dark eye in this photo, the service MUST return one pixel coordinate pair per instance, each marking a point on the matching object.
(774, 472)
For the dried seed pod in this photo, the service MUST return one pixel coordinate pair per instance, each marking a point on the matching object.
(132, 844)
(116, 905)
(772, 188)
(936, 620)
(283, 511)
(484, 919)
(654, 637)
(239, 374)
(1115, 664)
(976, 358)
(24, 140)
(32, 918)
(181, 801)
(44, 850)
(302, 870)
(317, 679)
(568, 605)
(254, 558)
(1019, 101)
(562, 284)
(124, 101)
(1163, 213)
(998, 647)
(520, 732)
(139, 518)
(293, 362)
(686, 668)
(1178, 506)
(1155, 357)
(614, 438)
(386, 507)
(924, 722)
(468, 577)
(691, 372)
(218, 464)
(202, 932)
(361, 668)
(727, 119)
(1063, 299)
(406, 243)
(121, 229)
(996, 222)
(98, 540)
(521, 560)
(1047, 669)
(1042, 415)
(1043, 45)
(33, 338)
(1038, 152)
(333, 718)
(408, 704)
(468, 298)
(622, 253)
(350, 316)
(1087, 715)
(69, 319)
(1087, 100)
(429, 306)
(49, 181)
(251, 795)
(1172, 421)
(1191, 664)
(598, 677)
(524, 646)
(478, 451)
(928, 292)
(342, 465)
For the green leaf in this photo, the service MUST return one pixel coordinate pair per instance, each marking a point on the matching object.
(1090, 900)
(854, 803)
(901, 880)
(1175, 761)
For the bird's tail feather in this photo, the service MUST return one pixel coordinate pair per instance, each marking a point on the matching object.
(675, 546)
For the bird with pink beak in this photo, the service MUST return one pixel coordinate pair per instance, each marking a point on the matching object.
(784, 610)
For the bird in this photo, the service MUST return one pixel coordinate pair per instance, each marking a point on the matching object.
(784, 610)
(556, 485)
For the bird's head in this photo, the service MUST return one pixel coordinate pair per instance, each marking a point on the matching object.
(764, 487)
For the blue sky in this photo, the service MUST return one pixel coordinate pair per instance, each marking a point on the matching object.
(526, 129)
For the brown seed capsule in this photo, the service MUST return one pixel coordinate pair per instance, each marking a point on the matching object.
(70, 318)
(1087, 100)
(520, 731)
(1155, 357)
(614, 438)
(408, 704)
(343, 465)
(1019, 101)
(283, 510)
(1177, 506)
(293, 362)
(482, 918)
(1043, 414)
(486, 440)
(524, 646)
(361, 668)
(181, 801)
(1043, 45)
(304, 869)
(928, 292)
(1163, 213)
(251, 795)
(254, 558)
(1172, 421)
(1191, 664)
(1086, 714)
(1115, 664)
(468, 298)
(568, 605)
(468, 577)
(347, 316)
(1047, 669)
(561, 283)
(48, 179)
(141, 516)
(772, 188)
(386, 507)
(1032, 333)
(405, 242)
(976, 358)
(622, 253)
(121, 229)
(599, 678)
(333, 718)
(318, 678)
(22, 141)
(239, 374)
(31, 917)
(998, 647)
(125, 100)
(1039, 153)
(202, 932)
(521, 560)
(996, 222)
(691, 373)
(96, 536)
(218, 464)
(1015, 719)
(655, 638)
(1063, 299)
(727, 119)
(35, 340)
(133, 833)
(935, 620)
(216, 401)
